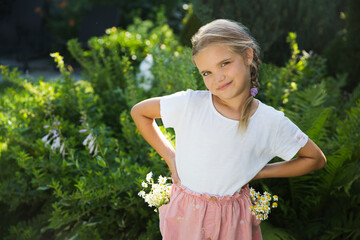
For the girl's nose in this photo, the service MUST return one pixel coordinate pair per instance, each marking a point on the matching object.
(220, 77)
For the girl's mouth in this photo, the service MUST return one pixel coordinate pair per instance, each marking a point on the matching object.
(223, 87)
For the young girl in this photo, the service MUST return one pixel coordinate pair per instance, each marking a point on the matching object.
(224, 138)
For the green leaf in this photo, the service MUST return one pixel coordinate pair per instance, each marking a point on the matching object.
(101, 161)
(349, 174)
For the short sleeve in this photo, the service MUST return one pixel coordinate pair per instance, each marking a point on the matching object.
(288, 139)
(172, 108)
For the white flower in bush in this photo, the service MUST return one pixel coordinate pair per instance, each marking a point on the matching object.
(53, 138)
(145, 74)
(90, 140)
(159, 193)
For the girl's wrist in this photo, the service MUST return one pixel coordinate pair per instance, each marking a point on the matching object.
(260, 174)
(256, 177)
(173, 172)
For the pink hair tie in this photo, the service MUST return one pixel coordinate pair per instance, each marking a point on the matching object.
(253, 91)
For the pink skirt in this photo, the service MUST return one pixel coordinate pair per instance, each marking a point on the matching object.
(194, 216)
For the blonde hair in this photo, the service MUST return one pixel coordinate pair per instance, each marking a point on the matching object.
(238, 38)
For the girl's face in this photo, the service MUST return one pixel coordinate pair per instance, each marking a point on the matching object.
(226, 73)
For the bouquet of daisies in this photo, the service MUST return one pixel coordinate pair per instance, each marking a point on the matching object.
(262, 204)
(159, 193)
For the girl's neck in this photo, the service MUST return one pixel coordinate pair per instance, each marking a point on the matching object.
(234, 104)
(232, 109)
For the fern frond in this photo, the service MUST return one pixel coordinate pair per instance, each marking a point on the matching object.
(318, 131)
(303, 188)
(349, 230)
(346, 140)
(346, 178)
(355, 95)
(306, 108)
(313, 96)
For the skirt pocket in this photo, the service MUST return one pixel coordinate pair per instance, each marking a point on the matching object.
(163, 216)
(163, 210)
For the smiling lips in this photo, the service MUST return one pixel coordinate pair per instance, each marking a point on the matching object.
(223, 87)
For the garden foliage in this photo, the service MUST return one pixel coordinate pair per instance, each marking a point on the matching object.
(64, 18)
(270, 21)
(343, 52)
(72, 161)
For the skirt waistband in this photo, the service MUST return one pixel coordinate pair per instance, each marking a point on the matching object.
(244, 193)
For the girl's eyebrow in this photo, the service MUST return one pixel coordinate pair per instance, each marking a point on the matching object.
(224, 60)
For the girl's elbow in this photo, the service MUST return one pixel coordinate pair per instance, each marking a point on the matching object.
(321, 162)
(137, 113)
(134, 111)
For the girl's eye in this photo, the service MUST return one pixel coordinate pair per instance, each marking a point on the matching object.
(224, 64)
(206, 74)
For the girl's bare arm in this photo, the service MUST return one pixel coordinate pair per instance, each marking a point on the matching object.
(144, 114)
(310, 158)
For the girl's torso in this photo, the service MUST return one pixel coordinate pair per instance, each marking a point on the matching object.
(212, 156)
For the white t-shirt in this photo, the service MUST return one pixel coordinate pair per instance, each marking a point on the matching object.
(212, 156)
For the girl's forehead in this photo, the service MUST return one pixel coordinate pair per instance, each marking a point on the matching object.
(212, 55)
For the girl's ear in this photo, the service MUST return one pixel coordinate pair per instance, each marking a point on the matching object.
(249, 56)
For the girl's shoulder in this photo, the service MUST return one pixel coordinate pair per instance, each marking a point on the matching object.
(199, 93)
(270, 113)
(187, 97)
(190, 91)
(194, 94)
(199, 96)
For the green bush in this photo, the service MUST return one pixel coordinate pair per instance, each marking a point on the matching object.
(64, 17)
(314, 101)
(111, 58)
(343, 52)
(315, 22)
(76, 189)
(191, 24)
